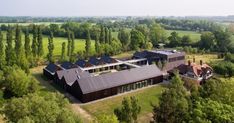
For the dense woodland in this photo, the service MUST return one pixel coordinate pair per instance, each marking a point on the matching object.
(23, 99)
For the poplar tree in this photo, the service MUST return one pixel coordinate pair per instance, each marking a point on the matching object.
(110, 36)
(68, 43)
(88, 44)
(72, 43)
(97, 45)
(50, 48)
(106, 35)
(40, 43)
(102, 35)
(10, 54)
(2, 55)
(34, 41)
(63, 57)
(27, 44)
(18, 42)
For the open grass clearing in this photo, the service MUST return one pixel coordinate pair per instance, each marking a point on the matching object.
(195, 36)
(206, 58)
(145, 97)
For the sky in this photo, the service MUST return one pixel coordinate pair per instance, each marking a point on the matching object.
(116, 7)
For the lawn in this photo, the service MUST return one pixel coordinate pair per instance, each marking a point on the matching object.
(145, 96)
(206, 58)
(195, 36)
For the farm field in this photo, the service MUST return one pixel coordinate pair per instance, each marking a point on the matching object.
(145, 97)
(195, 36)
(206, 58)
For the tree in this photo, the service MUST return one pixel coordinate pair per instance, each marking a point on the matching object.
(102, 35)
(72, 47)
(137, 39)
(9, 51)
(186, 40)
(68, 43)
(34, 41)
(50, 48)
(174, 39)
(52, 108)
(40, 43)
(2, 54)
(124, 37)
(173, 105)
(88, 44)
(18, 82)
(107, 36)
(110, 36)
(107, 119)
(223, 40)
(18, 42)
(129, 110)
(157, 34)
(97, 45)
(63, 56)
(27, 44)
(207, 41)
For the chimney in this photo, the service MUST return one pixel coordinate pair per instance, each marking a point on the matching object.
(189, 63)
(194, 60)
(201, 62)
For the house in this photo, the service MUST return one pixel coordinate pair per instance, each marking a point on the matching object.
(50, 70)
(170, 58)
(88, 88)
(68, 65)
(83, 64)
(195, 72)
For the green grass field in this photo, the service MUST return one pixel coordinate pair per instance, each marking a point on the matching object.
(195, 36)
(206, 58)
(145, 98)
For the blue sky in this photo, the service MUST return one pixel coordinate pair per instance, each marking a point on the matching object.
(116, 7)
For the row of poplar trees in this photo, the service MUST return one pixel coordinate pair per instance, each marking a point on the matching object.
(15, 53)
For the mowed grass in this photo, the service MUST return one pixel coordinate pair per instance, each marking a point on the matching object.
(195, 36)
(146, 97)
(206, 58)
(79, 44)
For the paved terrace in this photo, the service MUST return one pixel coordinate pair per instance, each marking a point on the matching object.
(128, 63)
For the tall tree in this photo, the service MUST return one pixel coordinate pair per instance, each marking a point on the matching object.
(40, 43)
(124, 37)
(207, 40)
(186, 40)
(18, 42)
(174, 39)
(2, 55)
(102, 35)
(106, 35)
(110, 36)
(88, 44)
(68, 43)
(34, 41)
(137, 39)
(50, 48)
(9, 51)
(72, 46)
(223, 40)
(157, 34)
(97, 44)
(63, 53)
(27, 44)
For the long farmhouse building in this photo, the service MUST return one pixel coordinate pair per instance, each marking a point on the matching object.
(102, 77)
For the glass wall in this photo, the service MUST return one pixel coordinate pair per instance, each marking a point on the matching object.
(134, 86)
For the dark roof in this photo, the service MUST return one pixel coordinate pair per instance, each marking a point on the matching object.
(108, 59)
(52, 68)
(95, 61)
(71, 75)
(142, 54)
(110, 80)
(81, 63)
(68, 65)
